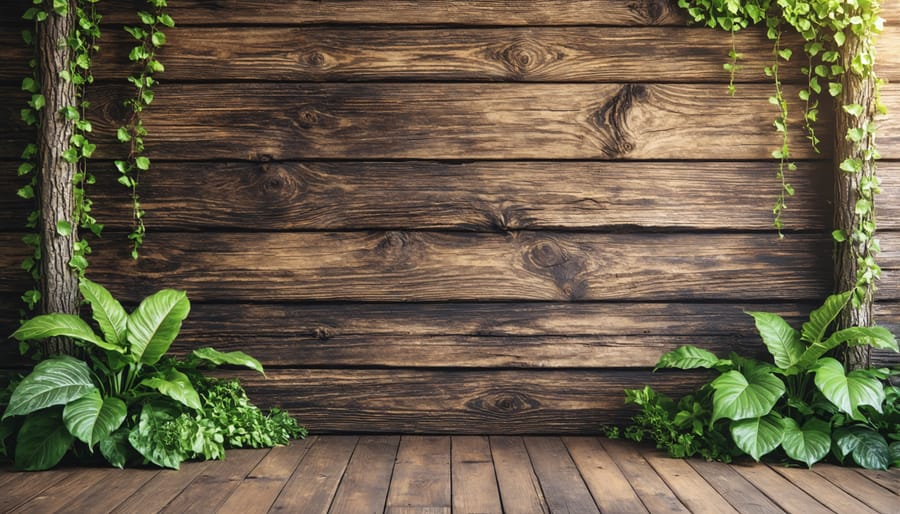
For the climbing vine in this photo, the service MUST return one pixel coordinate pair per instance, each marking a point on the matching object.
(82, 47)
(827, 27)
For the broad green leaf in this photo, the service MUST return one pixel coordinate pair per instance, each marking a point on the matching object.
(234, 358)
(814, 330)
(741, 397)
(848, 391)
(894, 450)
(175, 385)
(155, 323)
(43, 440)
(54, 381)
(92, 418)
(877, 337)
(871, 451)
(757, 436)
(781, 339)
(115, 448)
(808, 444)
(65, 325)
(107, 311)
(157, 450)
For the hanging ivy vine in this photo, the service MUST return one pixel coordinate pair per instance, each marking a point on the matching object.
(825, 26)
(83, 46)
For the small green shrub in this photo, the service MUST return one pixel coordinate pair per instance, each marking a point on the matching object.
(802, 404)
(125, 397)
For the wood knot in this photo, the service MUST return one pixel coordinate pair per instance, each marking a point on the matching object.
(546, 254)
(274, 183)
(315, 58)
(611, 120)
(395, 251)
(324, 333)
(651, 11)
(523, 57)
(502, 404)
(308, 118)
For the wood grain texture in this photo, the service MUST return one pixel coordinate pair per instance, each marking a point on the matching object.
(519, 488)
(420, 266)
(859, 487)
(780, 490)
(444, 121)
(364, 487)
(563, 486)
(473, 481)
(688, 485)
(607, 484)
(313, 484)
(166, 485)
(457, 401)
(650, 488)
(479, 196)
(734, 487)
(209, 490)
(531, 54)
(823, 490)
(55, 497)
(268, 478)
(421, 481)
(488, 12)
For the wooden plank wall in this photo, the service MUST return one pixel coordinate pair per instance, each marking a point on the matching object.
(470, 217)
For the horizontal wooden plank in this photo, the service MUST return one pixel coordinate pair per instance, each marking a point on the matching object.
(533, 54)
(479, 12)
(444, 121)
(399, 266)
(480, 196)
(457, 402)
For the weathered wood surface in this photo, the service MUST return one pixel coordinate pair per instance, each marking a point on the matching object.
(290, 472)
(479, 196)
(423, 266)
(414, 12)
(445, 121)
(533, 54)
(456, 401)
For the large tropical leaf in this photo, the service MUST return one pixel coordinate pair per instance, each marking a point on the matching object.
(877, 337)
(808, 444)
(155, 323)
(781, 339)
(871, 450)
(92, 418)
(65, 325)
(218, 358)
(757, 436)
(848, 391)
(175, 385)
(107, 311)
(894, 450)
(740, 396)
(42, 441)
(55, 381)
(814, 330)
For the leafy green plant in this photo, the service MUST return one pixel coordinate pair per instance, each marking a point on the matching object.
(125, 397)
(802, 403)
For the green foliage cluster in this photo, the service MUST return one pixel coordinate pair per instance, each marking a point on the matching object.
(802, 403)
(83, 46)
(125, 397)
(150, 39)
(825, 26)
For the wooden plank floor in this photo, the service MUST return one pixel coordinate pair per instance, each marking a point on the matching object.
(460, 474)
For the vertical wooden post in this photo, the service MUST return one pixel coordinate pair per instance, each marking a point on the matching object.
(861, 91)
(59, 283)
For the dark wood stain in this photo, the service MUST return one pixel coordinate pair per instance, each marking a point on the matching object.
(477, 217)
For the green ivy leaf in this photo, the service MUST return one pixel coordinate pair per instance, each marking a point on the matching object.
(757, 436)
(142, 438)
(142, 163)
(54, 381)
(854, 109)
(64, 228)
(740, 397)
(851, 165)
